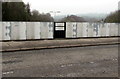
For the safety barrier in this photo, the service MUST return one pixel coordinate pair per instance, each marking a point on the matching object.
(45, 30)
(76, 30)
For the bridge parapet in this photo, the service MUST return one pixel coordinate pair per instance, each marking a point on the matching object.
(45, 30)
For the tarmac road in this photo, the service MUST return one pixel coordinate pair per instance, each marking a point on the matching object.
(93, 61)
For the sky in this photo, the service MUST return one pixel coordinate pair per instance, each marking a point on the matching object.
(74, 6)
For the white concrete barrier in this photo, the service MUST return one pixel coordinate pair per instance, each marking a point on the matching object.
(1, 31)
(90, 30)
(85, 30)
(112, 30)
(107, 27)
(50, 33)
(74, 30)
(22, 31)
(15, 30)
(30, 33)
(36, 30)
(18, 31)
(79, 30)
(45, 30)
(99, 30)
(6, 30)
(116, 29)
(103, 30)
(96, 29)
(71, 30)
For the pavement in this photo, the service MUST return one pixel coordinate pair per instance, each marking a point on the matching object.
(91, 61)
(9, 46)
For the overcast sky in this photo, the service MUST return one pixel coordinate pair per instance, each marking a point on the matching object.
(74, 6)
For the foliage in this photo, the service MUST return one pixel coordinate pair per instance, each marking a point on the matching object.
(36, 16)
(19, 11)
(73, 18)
(113, 17)
(14, 11)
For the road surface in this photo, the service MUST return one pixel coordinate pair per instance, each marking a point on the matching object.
(94, 61)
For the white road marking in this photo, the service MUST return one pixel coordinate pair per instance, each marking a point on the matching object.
(9, 72)
(91, 62)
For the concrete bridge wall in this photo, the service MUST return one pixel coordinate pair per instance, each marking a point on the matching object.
(45, 30)
(76, 30)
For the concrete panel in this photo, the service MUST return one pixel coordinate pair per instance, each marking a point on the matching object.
(112, 29)
(51, 27)
(15, 30)
(74, 30)
(36, 30)
(79, 30)
(30, 30)
(85, 30)
(99, 30)
(90, 29)
(18, 30)
(71, 30)
(96, 29)
(103, 30)
(107, 27)
(115, 27)
(118, 29)
(6, 30)
(44, 29)
(22, 31)
(1, 31)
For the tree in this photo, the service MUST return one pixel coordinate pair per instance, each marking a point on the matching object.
(73, 18)
(113, 17)
(36, 16)
(19, 11)
(15, 11)
(28, 12)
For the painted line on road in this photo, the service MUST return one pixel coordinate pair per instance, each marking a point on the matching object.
(9, 72)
